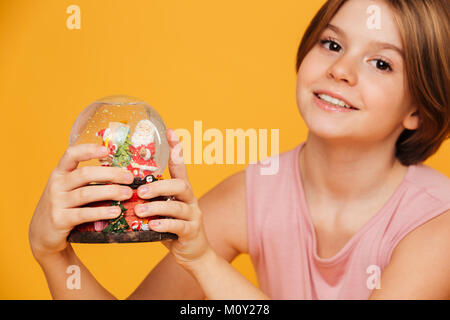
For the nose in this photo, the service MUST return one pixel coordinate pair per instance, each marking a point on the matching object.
(343, 70)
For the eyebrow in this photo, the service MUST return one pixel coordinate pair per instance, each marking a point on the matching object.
(380, 45)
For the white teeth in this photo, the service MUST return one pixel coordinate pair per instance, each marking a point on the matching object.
(334, 101)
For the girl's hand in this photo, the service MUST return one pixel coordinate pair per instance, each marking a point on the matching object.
(192, 245)
(60, 208)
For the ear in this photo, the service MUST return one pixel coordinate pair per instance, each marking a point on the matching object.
(412, 120)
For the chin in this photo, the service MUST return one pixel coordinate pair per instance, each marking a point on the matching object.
(327, 126)
(331, 134)
(329, 129)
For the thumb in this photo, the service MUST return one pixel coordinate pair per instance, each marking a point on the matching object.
(167, 243)
(177, 168)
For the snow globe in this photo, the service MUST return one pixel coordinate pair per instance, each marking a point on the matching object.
(135, 136)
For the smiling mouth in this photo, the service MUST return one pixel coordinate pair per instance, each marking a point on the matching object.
(334, 101)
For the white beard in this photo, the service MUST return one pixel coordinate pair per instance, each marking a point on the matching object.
(143, 134)
(140, 138)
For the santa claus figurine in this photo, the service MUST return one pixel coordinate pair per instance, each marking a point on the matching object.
(142, 148)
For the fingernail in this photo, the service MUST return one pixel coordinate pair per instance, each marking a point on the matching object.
(114, 210)
(126, 191)
(173, 135)
(140, 208)
(128, 176)
(102, 149)
(143, 190)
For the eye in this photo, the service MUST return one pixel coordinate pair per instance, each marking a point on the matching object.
(382, 65)
(333, 45)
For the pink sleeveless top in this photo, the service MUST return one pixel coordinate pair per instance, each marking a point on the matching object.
(282, 240)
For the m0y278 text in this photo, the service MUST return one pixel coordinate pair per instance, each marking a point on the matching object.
(236, 309)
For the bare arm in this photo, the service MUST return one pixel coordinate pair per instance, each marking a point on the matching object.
(55, 268)
(220, 281)
(420, 264)
(60, 209)
(224, 216)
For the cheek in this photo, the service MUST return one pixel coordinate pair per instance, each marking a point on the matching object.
(383, 96)
(309, 73)
(312, 65)
(384, 104)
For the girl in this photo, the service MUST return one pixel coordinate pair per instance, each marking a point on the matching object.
(349, 204)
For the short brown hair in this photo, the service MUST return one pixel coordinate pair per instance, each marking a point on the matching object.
(424, 28)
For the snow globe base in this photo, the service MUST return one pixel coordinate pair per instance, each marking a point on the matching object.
(124, 237)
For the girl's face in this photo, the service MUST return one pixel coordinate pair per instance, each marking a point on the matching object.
(355, 60)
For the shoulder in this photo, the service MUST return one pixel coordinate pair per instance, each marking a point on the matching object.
(431, 235)
(431, 221)
(224, 216)
(420, 264)
(427, 195)
(429, 180)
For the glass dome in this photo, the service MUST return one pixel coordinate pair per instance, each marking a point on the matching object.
(133, 132)
(135, 136)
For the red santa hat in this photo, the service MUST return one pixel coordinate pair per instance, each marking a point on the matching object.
(100, 133)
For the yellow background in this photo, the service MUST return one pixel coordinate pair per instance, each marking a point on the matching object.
(227, 63)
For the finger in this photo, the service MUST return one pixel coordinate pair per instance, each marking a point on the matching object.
(170, 187)
(70, 218)
(82, 152)
(179, 227)
(167, 243)
(89, 194)
(85, 175)
(177, 168)
(174, 209)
